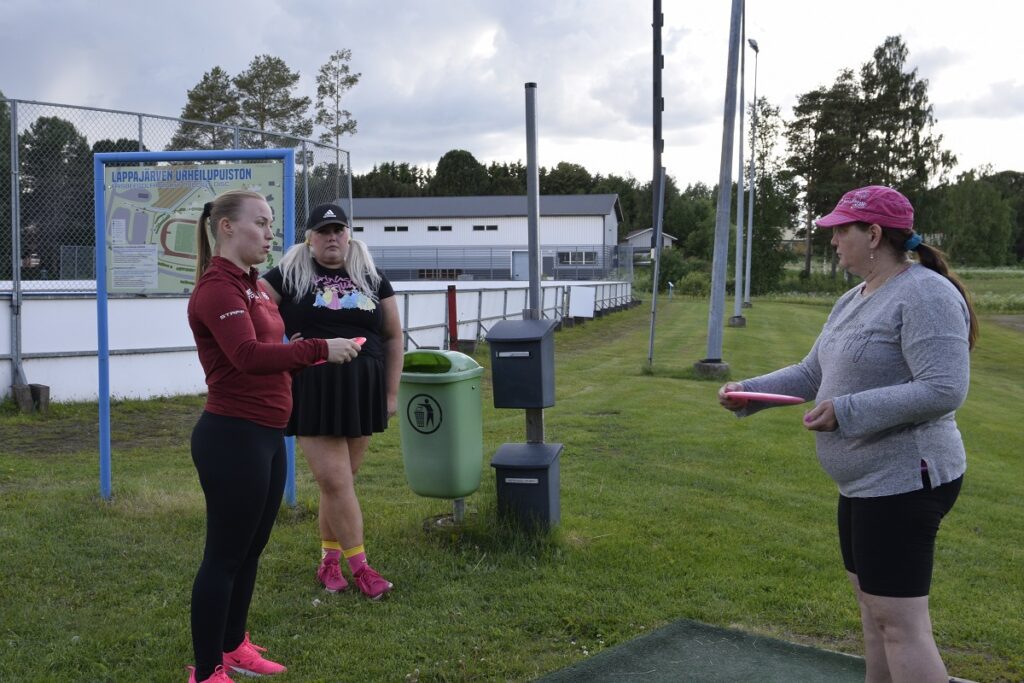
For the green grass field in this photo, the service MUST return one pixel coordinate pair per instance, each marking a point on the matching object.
(671, 508)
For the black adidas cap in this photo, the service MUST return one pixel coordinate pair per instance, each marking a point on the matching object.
(326, 214)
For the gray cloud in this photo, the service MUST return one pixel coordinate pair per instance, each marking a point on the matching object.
(439, 76)
(1004, 100)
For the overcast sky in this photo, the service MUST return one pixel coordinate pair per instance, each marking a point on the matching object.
(449, 74)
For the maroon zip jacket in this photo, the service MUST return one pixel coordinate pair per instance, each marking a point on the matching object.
(239, 336)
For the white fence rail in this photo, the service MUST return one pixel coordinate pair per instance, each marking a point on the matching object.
(152, 352)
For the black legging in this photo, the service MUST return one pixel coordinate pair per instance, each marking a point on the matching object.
(242, 469)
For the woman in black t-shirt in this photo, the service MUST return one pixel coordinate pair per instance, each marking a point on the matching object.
(329, 287)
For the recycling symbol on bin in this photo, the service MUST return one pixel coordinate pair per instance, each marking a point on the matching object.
(424, 413)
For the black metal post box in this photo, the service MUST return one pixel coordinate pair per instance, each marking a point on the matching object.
(523, 363)
(528, 483)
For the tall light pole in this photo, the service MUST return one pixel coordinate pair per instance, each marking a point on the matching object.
(750, 204)
(737, 319)
(712, 366)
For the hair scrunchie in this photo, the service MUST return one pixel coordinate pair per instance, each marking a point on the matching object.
(207, 209)
(912, 243)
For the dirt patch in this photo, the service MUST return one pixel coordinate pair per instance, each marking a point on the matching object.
(156, 424)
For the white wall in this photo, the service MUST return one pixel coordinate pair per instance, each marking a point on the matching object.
(512, 230)
(152, 352)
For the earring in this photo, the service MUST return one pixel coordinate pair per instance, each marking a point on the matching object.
(871, 255)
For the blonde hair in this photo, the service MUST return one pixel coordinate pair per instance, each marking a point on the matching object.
(227, 205)
(297, 269)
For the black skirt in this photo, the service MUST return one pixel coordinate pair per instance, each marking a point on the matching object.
(339, 399)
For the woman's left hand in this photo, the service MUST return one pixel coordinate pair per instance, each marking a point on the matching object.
(821, 418)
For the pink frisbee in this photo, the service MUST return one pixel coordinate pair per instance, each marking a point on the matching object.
(781, 399)
(359, 340)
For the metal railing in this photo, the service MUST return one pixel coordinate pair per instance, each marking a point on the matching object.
(559, 262)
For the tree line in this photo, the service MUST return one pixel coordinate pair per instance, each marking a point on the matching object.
(261, 99)
(870, 126)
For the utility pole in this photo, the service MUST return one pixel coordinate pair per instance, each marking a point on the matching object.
(713, 365)
(753, 176)
(737, 319)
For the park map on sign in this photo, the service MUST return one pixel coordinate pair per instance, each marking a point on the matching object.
(151, 217)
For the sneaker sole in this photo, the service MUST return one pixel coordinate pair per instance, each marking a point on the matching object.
(251, 674)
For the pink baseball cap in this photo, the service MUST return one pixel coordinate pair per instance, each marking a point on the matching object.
(872, 204)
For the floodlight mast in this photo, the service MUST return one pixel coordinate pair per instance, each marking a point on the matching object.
(712, 365)
(753, 176)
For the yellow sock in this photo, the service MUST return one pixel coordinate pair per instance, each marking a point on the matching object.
(356, 557)
(328, 546)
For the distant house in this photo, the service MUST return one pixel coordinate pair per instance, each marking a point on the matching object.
(448, 238)
(639, 241)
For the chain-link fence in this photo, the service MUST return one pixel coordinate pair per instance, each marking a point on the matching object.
(46, 180)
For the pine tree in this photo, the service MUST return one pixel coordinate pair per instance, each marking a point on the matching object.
(215, 100)
(265, 90)
(333, 81)
(56, 189)
(899, 148)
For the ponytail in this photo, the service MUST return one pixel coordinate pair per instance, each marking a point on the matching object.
(204, 251)
(298, 271)
(933, 258)
(227, 205)
(361, 268)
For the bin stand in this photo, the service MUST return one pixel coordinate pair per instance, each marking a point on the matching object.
(528, 483)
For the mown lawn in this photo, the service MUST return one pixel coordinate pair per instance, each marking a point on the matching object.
(671, 508)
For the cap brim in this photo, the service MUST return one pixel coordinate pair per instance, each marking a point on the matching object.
(835, 218)
(324, 224)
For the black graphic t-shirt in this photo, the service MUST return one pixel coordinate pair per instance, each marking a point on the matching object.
(334, 308)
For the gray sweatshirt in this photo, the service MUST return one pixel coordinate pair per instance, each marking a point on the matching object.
(896, 367)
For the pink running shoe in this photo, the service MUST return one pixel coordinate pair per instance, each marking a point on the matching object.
(372, 584)
(218, 676)
(247, 660)
(329, 574)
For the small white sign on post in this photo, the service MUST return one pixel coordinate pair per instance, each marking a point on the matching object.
(581, 302)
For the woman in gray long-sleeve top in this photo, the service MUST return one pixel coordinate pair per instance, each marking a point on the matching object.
(887, 373)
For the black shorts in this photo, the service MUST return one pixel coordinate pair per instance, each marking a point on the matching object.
(339, 399)
(889, 541)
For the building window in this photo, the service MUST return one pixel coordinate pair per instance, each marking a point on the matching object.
(396, 228)
(357, 228)
(577, 258)
(479, 228)
(438, 273)
(439, 228)
(492, 227)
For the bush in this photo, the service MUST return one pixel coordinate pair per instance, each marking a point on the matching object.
(696, 283)
(816, 283)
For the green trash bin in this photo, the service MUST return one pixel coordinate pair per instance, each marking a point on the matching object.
(439, 415)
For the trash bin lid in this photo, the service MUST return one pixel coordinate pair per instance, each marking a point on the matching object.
(434, 366)
(526, 456)
(520, 330)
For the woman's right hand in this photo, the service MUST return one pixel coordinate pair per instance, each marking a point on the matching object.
(728, 403)
(341, 350)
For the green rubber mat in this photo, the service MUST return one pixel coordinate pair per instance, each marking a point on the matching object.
(690, 651)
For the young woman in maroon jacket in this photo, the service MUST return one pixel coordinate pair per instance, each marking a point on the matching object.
(238, 442)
